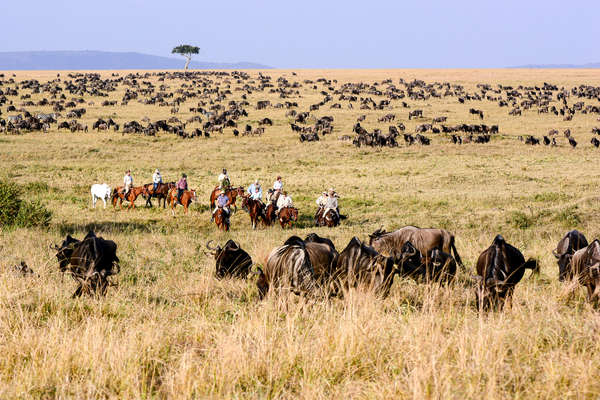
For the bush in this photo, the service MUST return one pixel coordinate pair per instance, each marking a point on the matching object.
(16, 212)
(10, 202)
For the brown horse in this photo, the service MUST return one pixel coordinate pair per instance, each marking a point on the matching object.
(186, 199)
(330, 219)
(230, 192)
(133, 194)
(287, 215)
(255, 208)
(222, 220)
(161, 192)
(270, 215)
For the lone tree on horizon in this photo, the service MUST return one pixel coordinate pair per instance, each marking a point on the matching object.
(187, 51)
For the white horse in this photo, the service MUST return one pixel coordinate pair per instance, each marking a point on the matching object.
(100, 192)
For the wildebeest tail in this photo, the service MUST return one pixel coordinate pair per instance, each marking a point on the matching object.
(456, 255)
(533, 265)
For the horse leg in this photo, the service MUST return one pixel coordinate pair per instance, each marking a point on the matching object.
(93, 201)
(104, 201)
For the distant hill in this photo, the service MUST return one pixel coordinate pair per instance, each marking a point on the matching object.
(559, 66)
(93, 60)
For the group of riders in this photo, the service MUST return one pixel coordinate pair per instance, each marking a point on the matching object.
(327, 201)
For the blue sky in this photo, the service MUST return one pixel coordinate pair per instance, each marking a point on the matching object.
(317, 34)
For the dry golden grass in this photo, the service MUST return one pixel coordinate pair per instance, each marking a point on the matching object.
(171, 330)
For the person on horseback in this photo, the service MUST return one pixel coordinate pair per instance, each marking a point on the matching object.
(156, 180)
(224, 181)
(257, 195)
(321, 202)
(284, 201)
(253, 187)
(332, 203)
(182, 186)
(222, 202)
(127, 183)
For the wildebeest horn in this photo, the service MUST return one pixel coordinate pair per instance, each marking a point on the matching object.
(54, 246)
(555, 254)
(208, 247)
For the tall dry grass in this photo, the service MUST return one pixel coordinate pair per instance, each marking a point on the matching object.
(171, 330)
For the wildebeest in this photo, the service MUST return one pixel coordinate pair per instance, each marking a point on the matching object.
(323, 257)
(424, 239)
(499, 268)
(288, 268)
(90, 262)
(362, 264)
(586, 267)
(566, 247)
(437, 266)
(231, 260)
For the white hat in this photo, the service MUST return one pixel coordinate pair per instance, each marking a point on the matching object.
(157, 171)
(256, 181)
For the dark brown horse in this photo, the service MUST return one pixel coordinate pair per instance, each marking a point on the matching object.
(230, 192)
(161, 192)
(222, 219)
(329, 219)
(270, 215)
(133, 194)
(287, 215)
(255, 208)
(186, 199)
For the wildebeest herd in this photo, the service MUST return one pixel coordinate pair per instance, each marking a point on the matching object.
(314, 268)
(65, 102)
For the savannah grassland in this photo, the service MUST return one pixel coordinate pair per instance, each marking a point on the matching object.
(171, 330)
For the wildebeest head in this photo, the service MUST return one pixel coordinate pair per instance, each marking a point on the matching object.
(230, 260)
(410, 258)
(65, 251)
(571, 242)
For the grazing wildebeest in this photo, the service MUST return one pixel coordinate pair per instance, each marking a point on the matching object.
(100, 191)
(438, 266)
(231, 260)
(424, 239)
(566, 247)
(90, 262)
(288, 268)
(323, 257)
(586, 267)
(362, 264)
(499, 268)
(415, 113)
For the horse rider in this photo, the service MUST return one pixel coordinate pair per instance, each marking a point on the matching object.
(253, 186)
(223, 203)
(257, 195)
(284, 201)
(182, 186)
(224, 181)
(156, 180)
(277, 188)
(127, 183)
(332, 203)
(321, 202)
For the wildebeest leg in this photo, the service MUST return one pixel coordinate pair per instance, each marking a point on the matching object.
(78, 291)
(93, 200)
